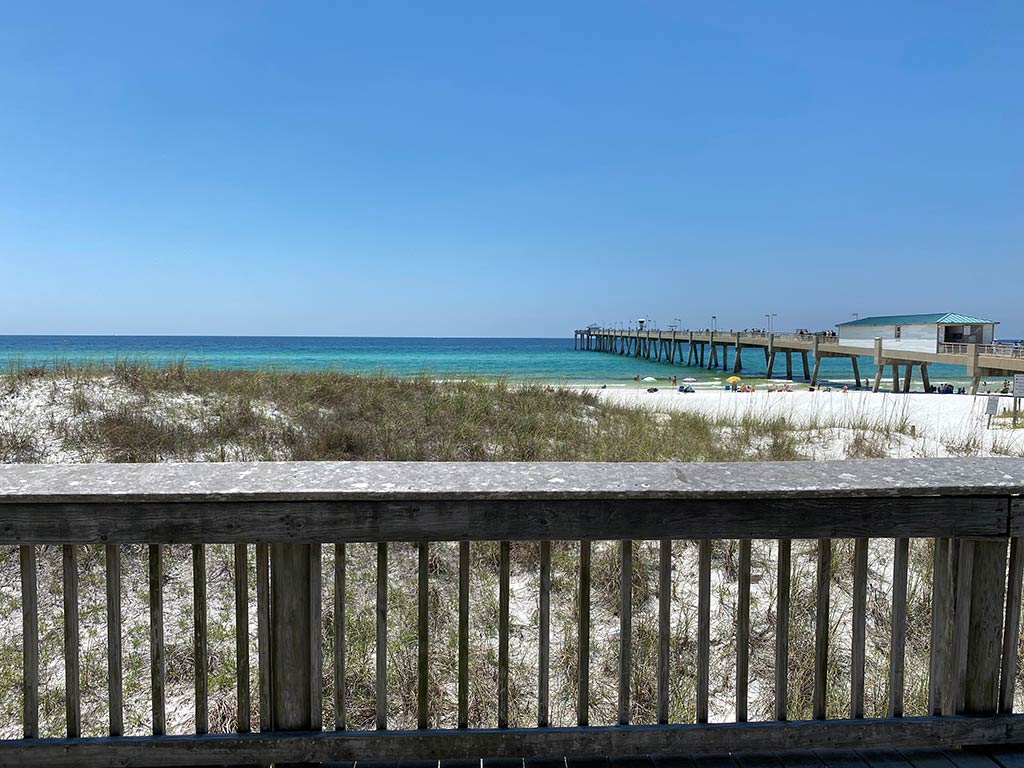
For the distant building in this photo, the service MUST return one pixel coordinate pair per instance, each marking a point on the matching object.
(922, 333)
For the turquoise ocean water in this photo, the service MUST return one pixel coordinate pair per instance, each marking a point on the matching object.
(545, 360)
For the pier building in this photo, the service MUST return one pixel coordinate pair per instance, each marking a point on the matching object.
(923, 333)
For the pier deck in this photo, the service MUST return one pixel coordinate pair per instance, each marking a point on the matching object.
(710, 349)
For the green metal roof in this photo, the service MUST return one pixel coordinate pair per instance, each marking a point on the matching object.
(941, 318)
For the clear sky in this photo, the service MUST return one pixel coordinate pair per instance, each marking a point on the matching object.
(506, 169)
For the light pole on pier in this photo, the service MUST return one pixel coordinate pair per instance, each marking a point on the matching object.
(771, 316)
(714, 322)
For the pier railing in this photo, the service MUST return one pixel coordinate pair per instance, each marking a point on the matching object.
(970, 512)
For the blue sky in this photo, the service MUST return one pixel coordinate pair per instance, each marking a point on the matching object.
(388, 168)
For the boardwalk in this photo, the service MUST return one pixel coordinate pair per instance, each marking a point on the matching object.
(711, 349)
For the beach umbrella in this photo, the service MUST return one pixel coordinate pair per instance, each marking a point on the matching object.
(648, 378)
(733, 379)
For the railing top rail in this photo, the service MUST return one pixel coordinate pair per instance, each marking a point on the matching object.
(394, 481)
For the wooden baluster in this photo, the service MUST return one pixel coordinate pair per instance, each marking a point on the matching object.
(199, 635)
(703, 630)
(899, 626)
(743, 632)
(157, 650)
(504, 562)
(858, 646)
(72, 671)
(625, 627)
(243, 702)
(583, 682)
(988, 593)
(30, 640)
(544, 639)
(782, 631)
(115, 688)
(339, 638)
(942, 616)
(294, 596)
(463, 634)
(382, 636)
(316, 638)
(1011, 629)
(423, 649)
(961, 624)
(821, 628)
(263, 636)
(664, 627)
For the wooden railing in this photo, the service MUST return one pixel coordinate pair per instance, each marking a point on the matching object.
(971, 508)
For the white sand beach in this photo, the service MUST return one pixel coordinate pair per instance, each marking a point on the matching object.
(939, 425)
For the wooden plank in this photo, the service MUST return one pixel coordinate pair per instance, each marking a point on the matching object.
(463, 692)
(961, 623)
(883, 758)
(942, 616)
(839, 758)
(243, 701)
(630, 761)
(516, 742)
(782, 630)
(898, 643)
(544, 636)
(821, 628)
(339, 637)
(263, 636)
(703, 629)
(858, 642)
(583, 681)
(157, 649)
(382, 637)
(30, 640)
(423, 636)
(72, 669)
(925, 758)
(1008, 758)
(115, 685)
(664, 626)
(675, 761)
(962, 759)
(438, 482)
(504, 566)
(798, 759)
(625, 627)
(291, 626)
(310, 522)
(743, 632)
(755, 760)
(316, 639)
(199, 638)
(984, 644)
(1011, 628)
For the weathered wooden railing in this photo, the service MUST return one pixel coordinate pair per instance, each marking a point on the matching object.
(972, 509)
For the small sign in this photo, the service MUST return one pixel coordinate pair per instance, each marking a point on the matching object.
(1018, 385)
(992, 409)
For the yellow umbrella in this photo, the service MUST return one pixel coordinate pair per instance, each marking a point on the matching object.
(733, 379)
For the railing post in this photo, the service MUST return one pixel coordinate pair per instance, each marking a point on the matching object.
(984, 637)
(292, 631)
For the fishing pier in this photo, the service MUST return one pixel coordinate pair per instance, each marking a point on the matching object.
(711, 349)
